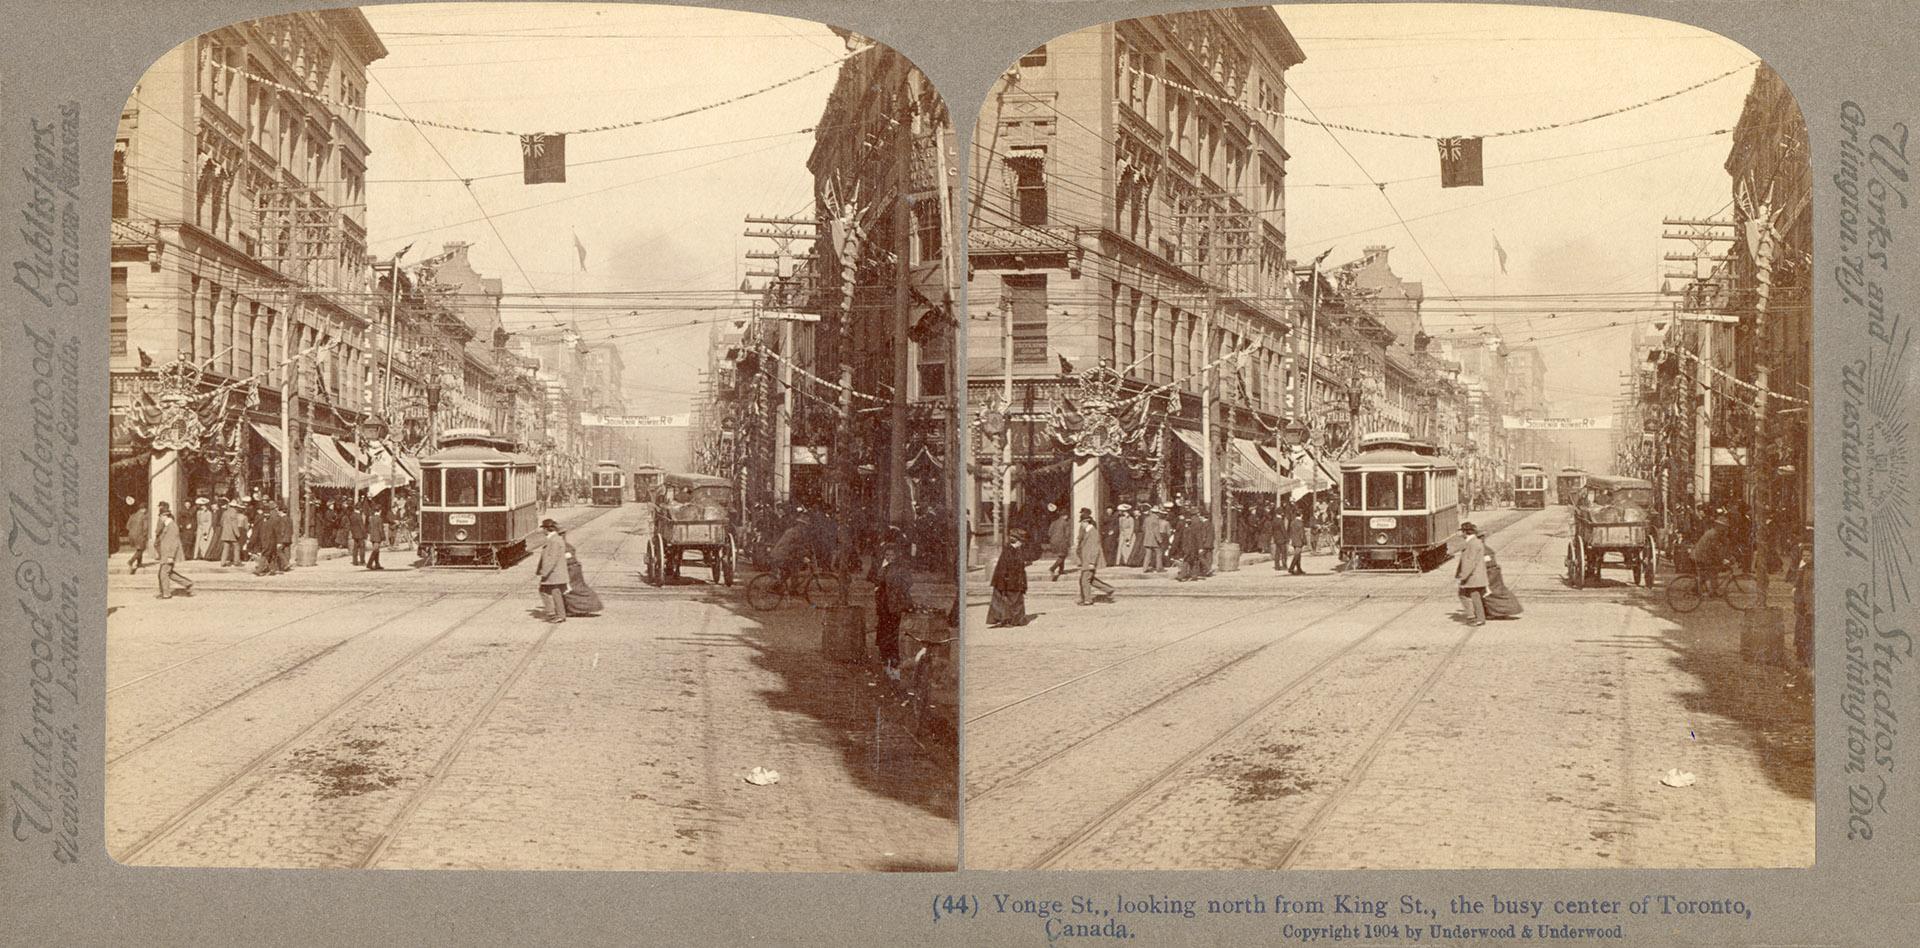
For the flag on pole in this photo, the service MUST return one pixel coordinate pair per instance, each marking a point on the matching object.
(580, 251)
(1500, 252)
(1460, 162)
(543, 158)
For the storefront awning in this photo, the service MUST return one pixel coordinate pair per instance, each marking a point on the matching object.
(410, 464)
(325, 466)
(1312, 471)
(353, 454)
(271, 435)
(1255, 466)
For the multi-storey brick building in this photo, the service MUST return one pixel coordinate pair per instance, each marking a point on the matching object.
(239, 264)
(1129, 210)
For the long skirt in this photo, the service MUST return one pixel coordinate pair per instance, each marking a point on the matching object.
(1007, 608)
(581, 599)
(1129, 548)
(1500, 601)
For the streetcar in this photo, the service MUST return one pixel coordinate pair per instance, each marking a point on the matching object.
(608, 487)
(693, 513)
(1400, 503)
(1612, 528)
(1567, 485)
(646, 483)
(1530, 487)
(479, 501)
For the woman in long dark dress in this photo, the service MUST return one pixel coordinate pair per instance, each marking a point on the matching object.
(580, 598)
(1499, 601)
(1009, 605)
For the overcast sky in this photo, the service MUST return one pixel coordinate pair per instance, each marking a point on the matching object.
(1579, 208)
(666, 225)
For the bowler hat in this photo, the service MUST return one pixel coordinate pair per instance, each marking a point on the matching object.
(549, 525)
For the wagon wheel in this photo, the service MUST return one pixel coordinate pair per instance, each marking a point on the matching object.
(729, 561)
(1576, 564)
(656, 560)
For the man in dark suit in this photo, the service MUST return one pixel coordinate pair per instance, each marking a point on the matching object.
(1088, 556)
(373, 523)
(357, 534)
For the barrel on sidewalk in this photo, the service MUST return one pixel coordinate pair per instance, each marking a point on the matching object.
(843, 633)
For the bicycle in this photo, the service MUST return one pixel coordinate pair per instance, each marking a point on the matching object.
(768, 591)
(921, 677)
(1734, 585)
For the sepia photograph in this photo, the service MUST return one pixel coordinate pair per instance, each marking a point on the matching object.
(1390, 435)
(531, 446)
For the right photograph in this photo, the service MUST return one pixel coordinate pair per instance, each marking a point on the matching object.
(1389, 446)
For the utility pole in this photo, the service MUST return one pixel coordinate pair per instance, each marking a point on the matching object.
(1006, 439)
(782, 291)
(899, 512)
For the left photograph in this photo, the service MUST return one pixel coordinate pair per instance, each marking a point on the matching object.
(533, 446)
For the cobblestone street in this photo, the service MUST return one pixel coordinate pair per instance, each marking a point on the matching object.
(1345, 721)
(334, 717)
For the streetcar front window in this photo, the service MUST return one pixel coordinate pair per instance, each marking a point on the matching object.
(493, 484)
(1414, 496)
(463, 487)
(1350, 491)
(430, 487)
(1383, 490)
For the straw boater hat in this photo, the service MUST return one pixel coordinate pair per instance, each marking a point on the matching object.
(1126, 507)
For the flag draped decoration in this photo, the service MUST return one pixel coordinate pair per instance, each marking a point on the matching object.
(544, 158)
(1500, 252)
(1460, 162)
(579, 249)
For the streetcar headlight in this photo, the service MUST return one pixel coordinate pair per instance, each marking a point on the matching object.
(1380, 538)
(459, 534)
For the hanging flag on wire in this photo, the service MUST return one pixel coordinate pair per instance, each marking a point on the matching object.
(579, 250)
(1500, 252)
(544, 158)
(1460, 162)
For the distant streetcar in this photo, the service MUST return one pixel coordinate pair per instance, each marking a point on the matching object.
(479, 501)
(609, 485)
(647, 479)
(1568, 485)
(1400, 502)
(1530, 487)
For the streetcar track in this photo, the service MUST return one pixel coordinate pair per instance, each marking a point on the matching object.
(1383, 596)
(1060, 849)
(1351, 779)
(216, 650)
(1141, 654)
(283, 673)
(1211, 674)
(1358, 771)
(1054, 853)
(438, 772)
(200, 803)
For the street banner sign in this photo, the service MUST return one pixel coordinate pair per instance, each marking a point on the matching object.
(790, 315)
(591, 420)
(1597, 422)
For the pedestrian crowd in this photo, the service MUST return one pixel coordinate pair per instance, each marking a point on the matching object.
(254, 531)
(1179, 536)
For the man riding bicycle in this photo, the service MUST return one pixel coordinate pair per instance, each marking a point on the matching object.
(1710, 552)
(791, 549)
